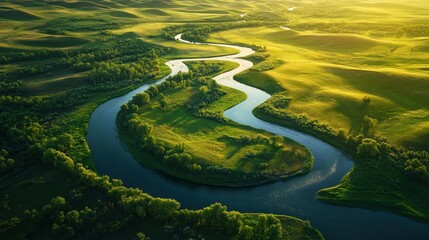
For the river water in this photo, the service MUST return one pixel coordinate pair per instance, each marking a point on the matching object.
(295, 197)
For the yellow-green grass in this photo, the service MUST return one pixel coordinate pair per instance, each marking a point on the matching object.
(317, 61)
(44, 183)
(202, 139)
(52, 42)
(149, 32)
(121, 14)
(330, 84)
(293, 228)
(380, 185)
(259, 80)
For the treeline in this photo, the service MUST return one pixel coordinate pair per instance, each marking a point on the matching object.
(108, 72)
(366, 146)
(80, 24)
(200, 33)
(23, 117)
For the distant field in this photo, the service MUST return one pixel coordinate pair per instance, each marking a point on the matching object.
(339, 70)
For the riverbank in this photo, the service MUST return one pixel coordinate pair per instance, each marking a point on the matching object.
(374, 182)
(214, 150)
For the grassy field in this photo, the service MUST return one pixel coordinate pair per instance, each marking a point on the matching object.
(204, 140)
(340, 58)
(380, 186)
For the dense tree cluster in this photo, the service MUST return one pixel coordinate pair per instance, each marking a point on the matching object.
(205, 68)
(68, 222)
(143, 69)
(6, 163)
(373, 29)
(125, 58)
(80, 24)
(128, 58)
(275, 108)
(31, 55)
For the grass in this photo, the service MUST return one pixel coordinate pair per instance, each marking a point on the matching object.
(203, 141)
(339, 70)
(379, 185)
(259, 80)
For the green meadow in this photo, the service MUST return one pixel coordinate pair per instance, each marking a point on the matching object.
(59, 60)
(340, 61)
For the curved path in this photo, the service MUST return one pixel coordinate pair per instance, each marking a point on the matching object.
(295, 197)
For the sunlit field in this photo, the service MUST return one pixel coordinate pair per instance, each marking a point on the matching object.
(354, 74)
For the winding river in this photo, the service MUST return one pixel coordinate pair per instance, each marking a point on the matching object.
(295, 197)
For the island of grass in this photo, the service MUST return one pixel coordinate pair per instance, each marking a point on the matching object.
(179, 129)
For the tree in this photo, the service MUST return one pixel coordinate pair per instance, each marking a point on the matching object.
(368, 148)
(153, 91)
(415, 168)
(141, 236)
(245, 233)
(214, 217)
(6, 163)
(369, 126)
(65, 142)
(141, 98)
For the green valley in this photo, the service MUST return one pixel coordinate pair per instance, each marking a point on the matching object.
(229, 119)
